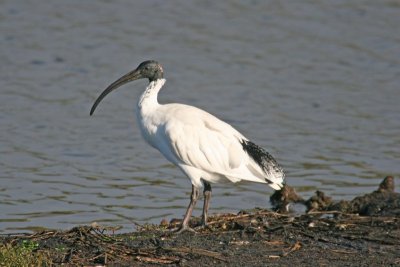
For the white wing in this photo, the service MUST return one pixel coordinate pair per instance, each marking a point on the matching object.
(201, 141)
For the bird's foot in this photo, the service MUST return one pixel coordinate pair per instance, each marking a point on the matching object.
(184, 228)
(204, 226)
(178, 231)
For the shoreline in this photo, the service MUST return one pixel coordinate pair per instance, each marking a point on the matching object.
(330, 233)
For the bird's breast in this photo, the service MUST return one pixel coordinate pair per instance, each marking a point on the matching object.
(148, 128)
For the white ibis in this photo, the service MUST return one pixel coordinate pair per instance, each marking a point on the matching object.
(203, 147)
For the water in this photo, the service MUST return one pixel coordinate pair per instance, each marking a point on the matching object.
(316, 83)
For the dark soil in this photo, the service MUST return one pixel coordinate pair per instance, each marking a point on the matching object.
(322, 237)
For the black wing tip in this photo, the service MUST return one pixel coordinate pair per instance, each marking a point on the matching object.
(260, 156)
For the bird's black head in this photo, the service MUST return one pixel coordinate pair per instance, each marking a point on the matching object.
(149, 69)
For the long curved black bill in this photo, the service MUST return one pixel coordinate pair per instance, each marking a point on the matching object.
(131, 76)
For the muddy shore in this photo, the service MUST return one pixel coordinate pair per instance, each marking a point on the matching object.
(361, 232)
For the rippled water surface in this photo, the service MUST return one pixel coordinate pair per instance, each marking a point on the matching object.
(314, 82)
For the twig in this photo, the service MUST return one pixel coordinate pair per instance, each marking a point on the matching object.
(198, 251)
(161, 260)
(295, 247)
(343, 251)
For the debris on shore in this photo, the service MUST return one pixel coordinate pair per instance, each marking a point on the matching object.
(363, 231)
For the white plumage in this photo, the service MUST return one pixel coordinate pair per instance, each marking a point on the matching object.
(205, 148)
(201, 145)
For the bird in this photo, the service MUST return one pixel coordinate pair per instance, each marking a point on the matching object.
(206, 149)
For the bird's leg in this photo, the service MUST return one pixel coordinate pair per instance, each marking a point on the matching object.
(207, 197)
(193, 199)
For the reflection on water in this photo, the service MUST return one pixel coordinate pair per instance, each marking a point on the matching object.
(315, 83)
